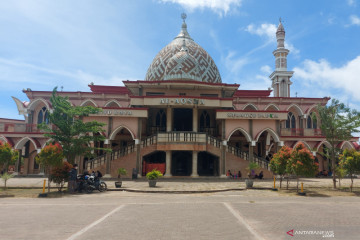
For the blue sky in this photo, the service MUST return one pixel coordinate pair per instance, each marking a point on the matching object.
(71, 43)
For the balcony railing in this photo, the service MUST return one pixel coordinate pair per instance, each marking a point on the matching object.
(300, 132)
(184, 137)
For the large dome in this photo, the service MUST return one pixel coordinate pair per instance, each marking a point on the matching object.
(196, 63)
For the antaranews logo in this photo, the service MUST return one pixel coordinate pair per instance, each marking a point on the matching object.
(291, 232)
(325, 234)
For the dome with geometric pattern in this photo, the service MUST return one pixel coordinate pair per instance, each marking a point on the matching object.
(172, 63)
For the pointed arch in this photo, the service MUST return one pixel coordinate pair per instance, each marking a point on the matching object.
(118, 129)
(250, 105)
(326, 143)
(272, 105)
(89, 101)
(112, 101)
(303, 142)
(299, 111)
(243, 131)
(343, 145)
(20, 144)
(33, 104)
(271, 132)
(308, 111)
(6, 140)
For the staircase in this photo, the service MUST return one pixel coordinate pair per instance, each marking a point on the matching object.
(152, 143)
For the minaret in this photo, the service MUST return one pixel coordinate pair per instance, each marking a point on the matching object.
(281, 76)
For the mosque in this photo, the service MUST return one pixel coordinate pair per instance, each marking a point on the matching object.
(181, 119)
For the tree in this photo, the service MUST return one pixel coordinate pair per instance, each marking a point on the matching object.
(350, 161)
(279, 161)
(340, 173)
(68, 128)
(7, 156)
(50, 156)
(5, 177)
(60, 174)
(301, 163)
(338, 122)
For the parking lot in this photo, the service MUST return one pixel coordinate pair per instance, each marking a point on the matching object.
(250, 214)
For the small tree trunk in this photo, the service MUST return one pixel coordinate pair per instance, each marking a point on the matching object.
(297, 185)
(333, 165)
(351, 185)
(287, 184)
(5, 180)
(280, 181)
(339, 183)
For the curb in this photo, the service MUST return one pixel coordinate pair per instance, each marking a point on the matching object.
(184, 192)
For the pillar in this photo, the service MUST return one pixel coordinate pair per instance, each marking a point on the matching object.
(194, 164)
(168, 164)
(195, 119)
(18, 163)
(169, 119)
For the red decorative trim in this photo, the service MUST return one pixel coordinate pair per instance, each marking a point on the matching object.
(252, 93)
(261, 111)
(197, 97)
(124, 108)
(108, 89)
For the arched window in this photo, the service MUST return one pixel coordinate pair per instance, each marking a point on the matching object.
(309, 122)
(43, 116)
(204, 120)
(291, 121)
(314, 123)
(161, 120)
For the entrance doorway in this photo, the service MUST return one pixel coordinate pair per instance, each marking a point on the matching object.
(152, 161)
(181, 163)
(208, 164)
(183, 119)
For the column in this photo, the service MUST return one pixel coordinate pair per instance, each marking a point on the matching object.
(195, 120)
(251, 152)
(194, 164)
(18, 164)
(169, 120)
(223, 149)
(168, 164)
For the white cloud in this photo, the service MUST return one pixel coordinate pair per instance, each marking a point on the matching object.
(351, 2)
(268, 30)
(355, 20)
(341, 81)
(266, 69)
(265, 29)
(234, 64)
(221, 7)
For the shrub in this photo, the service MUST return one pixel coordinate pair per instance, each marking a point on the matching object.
(153, 175)
(60, 174)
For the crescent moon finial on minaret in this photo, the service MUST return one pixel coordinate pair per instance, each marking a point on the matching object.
(183, 16)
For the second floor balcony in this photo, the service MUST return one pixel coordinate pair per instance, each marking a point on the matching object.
(308, 132)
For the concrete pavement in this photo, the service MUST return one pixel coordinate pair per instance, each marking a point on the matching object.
(188, 184)
(250, 214)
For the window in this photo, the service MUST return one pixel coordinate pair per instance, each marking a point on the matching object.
(311, 122)
(291, 121)
(43, 116)
(161, 119)
(204, 120)
(155, 93)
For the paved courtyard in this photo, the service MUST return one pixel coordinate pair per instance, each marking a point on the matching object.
(250, 214)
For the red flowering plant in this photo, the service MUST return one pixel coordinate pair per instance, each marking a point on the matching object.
(279, 161)
(60, 174)
(50, 156)
(301, 163)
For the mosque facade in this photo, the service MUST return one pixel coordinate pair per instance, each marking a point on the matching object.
(181, 119)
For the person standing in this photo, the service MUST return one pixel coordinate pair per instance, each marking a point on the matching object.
(72, 179)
